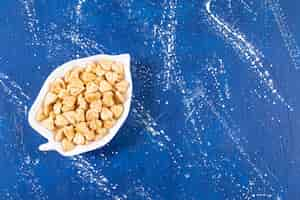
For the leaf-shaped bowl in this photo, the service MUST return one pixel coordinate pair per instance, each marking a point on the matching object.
(52, 145)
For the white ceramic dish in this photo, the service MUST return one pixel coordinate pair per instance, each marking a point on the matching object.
(52, 145)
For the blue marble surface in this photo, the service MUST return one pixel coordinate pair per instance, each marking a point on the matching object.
(215, 113)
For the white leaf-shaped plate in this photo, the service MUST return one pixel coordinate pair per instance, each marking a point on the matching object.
(59, 72)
